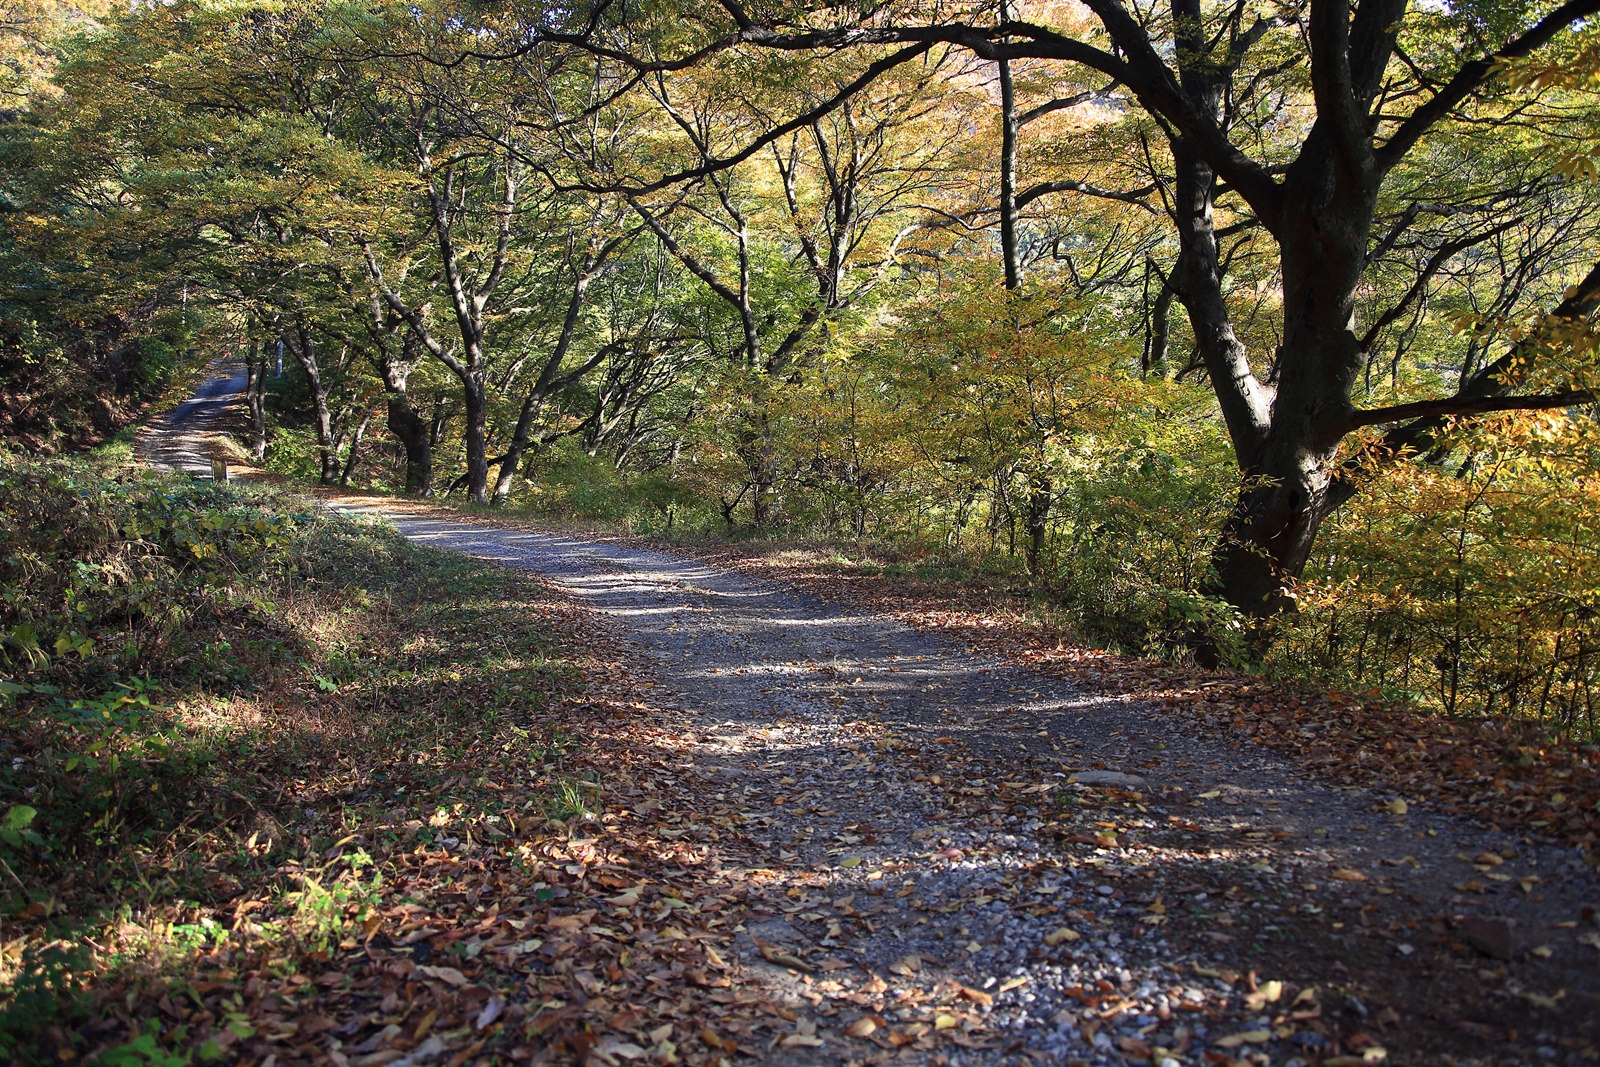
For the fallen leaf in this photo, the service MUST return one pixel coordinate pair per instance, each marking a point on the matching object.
(1345, 874)
(1371, 1056)
(710, 1038)
(1395, 807)
(1266, 993)
(613, 1046)
(906, 966)
(1134, 1047)
(1061, 936)
(448, 975)
(977, 996)
(862, 1027)
(1252, 1037)
(784, 959)
(491, 1011)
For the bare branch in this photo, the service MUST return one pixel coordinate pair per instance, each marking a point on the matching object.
(1448, 406)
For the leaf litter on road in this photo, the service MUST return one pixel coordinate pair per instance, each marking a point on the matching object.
(946, 853)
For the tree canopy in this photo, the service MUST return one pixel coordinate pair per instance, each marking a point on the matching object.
(1225, 321)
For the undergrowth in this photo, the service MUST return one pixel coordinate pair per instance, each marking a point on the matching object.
(225, 716)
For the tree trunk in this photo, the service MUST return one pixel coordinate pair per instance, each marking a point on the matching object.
(1040, 493)
(1268, 537)
(355, 446)
(409, 428)
(255, 392)
(1159, 329)
(328, 446)
(1010, 250)
(521, 439)
(1286, 435)
(477, 435)
(762, 477)
(763, 464)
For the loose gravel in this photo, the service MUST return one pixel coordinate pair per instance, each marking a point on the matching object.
(935, 902)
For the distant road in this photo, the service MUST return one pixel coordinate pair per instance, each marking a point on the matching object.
(186, 438)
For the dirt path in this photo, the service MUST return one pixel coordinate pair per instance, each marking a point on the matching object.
(943, 883)
(933, 787)
(186, 438)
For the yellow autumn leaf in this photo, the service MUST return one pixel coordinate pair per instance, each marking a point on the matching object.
(1247, 1037)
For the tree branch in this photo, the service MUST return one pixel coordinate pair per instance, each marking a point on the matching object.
(1436, 261)
(1474, 74)
(1133, 196)
(811, 115)
(1444, 407)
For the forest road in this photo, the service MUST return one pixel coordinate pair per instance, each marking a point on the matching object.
(930, 789)
(186, 438)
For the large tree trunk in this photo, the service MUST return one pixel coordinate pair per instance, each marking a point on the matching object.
(409, 428)
(476, 402)
(1286, 435)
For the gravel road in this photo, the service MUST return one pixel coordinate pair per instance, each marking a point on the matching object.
(186, 437)
(829, 725)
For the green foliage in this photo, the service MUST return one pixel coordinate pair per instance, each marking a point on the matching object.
(569, 800)
(566, 482)
(784, 348)
(105, 579)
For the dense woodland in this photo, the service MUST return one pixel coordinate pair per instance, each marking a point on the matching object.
(1261, 331)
